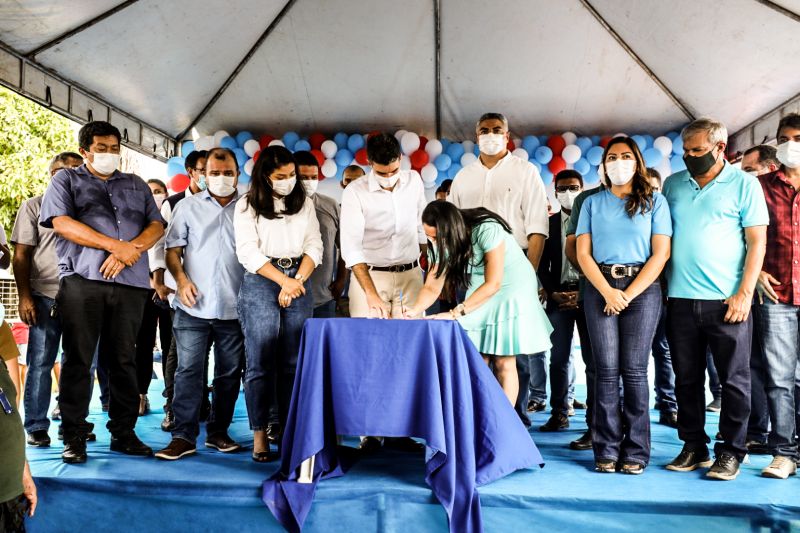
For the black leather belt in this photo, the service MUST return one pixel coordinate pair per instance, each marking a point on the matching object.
(620, 271)
(396, 268)
(286, 262)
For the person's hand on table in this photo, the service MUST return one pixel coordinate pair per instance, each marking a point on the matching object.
(377, 307)
(440, 316)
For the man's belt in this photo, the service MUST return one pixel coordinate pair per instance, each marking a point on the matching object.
(620, 271)
(396, 268)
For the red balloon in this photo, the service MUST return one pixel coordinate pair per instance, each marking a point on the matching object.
(373, 133)
(557, 164)
(316, 140)
(264, 140)
(557, 144)
(605, 140)
(419, 159)
(255, 156)
(319, 155)
(179, 182)
(422, 142)
(510, 146)
(361, 157)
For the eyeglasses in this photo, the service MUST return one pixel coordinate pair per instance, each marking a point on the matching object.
(200, 169)
(565, 188)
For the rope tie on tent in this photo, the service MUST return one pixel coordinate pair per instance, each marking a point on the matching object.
(48, 97)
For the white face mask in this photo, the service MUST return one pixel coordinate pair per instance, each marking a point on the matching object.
(621, 171)
(104, 163)
(567, 198)
(789, 154)
(388, 183)
(221, 186)
(310, 186)
(159, 198)
(284, 187)
(491, 143)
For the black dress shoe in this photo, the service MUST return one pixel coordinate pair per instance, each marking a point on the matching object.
(222, 442)
(176, 449)
(725, 468)
(90, 437)
(689, 460)
(274, 432)
(577, 404)
(557, 421)
(669, 418)
(39, 438)
(129, 444)
(370, 445)
(404, 444)
(535, 406)
(583, 443)
(74, 451)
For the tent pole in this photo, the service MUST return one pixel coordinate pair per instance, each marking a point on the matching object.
(239, 67)
(780, 9)
(637, 59)
(437, 65)
(64, 36)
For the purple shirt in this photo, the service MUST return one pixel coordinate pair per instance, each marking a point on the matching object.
(120, 207)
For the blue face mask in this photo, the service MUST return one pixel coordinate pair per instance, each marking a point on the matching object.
(201, 182)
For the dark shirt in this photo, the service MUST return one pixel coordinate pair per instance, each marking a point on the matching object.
(120, 207)
(572, 227)
(782, 259)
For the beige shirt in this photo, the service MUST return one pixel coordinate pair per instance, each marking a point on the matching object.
(44, 267)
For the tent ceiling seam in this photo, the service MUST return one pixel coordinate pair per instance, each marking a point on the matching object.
(780, 9)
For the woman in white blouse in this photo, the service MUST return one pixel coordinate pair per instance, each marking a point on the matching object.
(279, 244)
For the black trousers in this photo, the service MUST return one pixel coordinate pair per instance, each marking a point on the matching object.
(110, 313)
(692, 327)
(170, 362)
(155, 315)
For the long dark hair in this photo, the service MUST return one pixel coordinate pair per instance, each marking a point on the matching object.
(259, 197)
(454, 229)
(640, 200)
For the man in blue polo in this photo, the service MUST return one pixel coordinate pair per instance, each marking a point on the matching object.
(719, 219)
(105, 221)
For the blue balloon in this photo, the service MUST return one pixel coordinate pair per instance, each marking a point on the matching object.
(453, 170)
(242, 137)
(535, 163)
(591, 177)
(648, 139)
(595, 155)
(174, 168)
(543, 154)
(241, 156)
(187, 148)
(640, 141)
(672, 135)
(442, 162)
(341, 139)
(582, 166)
(177, 159)
(595, 139)
(455, 151)
(302, 145)
(290, 138)
(677, 145)
(543, 139)
(530, 143)
(244, 177)
(476, 150)
(547, 176)
(343, 157)
(228, 142)
(445, 143)
(339, 172)
(584, 143)
(355, 142)
(653, 157)
(677, 164)
(441, 176)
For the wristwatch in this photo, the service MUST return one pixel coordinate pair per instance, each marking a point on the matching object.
(460, 309)
(300, 277)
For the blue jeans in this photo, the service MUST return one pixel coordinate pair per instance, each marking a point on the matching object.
(272, 344)
(192, 336)
(779, 328)
(758, 424)
(537, 368)
(43, 344)
(665, 377)
(562, 371)
(621, 348)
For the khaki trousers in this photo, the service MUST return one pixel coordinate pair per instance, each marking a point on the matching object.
(389, 286)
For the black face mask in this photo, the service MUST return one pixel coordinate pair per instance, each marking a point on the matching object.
(699, 165)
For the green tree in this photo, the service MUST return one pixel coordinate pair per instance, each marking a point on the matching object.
(30, 135)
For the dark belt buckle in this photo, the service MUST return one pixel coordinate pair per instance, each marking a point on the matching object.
(285, 262)
(401, 268)
(619, 271)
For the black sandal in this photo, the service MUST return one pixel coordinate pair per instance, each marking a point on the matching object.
(264, 457)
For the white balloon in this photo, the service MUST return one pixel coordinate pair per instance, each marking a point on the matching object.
(569, 137)
(571, 153)
(204, 143)
(405, 163)
(468, 158)
(409, 143)
(399, 134)
(429, 185)
(329, 168)
(429, 173)
(469, 146)
(243, 188)
(433, 148)
(219, 135)
(521, 153)
(329, 148)
(251, 146)
(276, 142)
(248, 167)
(664, 145)
(619, 135)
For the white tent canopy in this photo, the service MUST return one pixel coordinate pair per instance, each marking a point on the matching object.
(159, 69)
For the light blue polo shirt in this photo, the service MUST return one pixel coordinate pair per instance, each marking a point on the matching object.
(708, 244)
(617, 238)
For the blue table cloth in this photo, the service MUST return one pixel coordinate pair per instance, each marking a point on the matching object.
(398, 378)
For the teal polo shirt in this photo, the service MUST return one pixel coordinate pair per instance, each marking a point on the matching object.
(708, 243)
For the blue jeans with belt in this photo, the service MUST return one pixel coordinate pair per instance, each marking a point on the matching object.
(272, 343)
(44, 339)
(621, 348)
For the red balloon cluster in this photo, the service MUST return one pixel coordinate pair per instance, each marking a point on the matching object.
(419, 159)
(361, 157)
(179, 182)
(605, 140)
(557, 164)
(316, 152)
(557, 144)
(264, 140)
(316, 140)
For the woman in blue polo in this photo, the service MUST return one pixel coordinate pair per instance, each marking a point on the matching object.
(623, 243)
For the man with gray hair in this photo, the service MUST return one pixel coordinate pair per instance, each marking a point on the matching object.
(719, 220)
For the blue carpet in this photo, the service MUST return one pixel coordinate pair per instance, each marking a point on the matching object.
(387, 493)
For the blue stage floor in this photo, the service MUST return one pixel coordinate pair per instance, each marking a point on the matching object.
(386, 493)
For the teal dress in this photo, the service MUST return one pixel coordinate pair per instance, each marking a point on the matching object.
(513, 321)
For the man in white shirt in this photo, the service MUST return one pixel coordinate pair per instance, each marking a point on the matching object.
(512, 188)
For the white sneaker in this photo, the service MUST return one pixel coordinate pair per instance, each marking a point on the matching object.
(780, 468)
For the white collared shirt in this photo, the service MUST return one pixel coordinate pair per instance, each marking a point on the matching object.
(259, 240)
(512, 188)
(380, 227)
